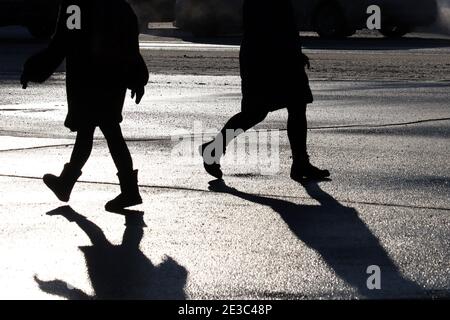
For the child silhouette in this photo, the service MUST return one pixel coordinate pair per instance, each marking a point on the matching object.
(100, 41)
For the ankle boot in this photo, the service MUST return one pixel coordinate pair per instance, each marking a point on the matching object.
(213, 168)
(303, 169)
(62, 186)
(129, 195)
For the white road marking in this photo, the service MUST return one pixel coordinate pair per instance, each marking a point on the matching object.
(160, 45)
(377, 49)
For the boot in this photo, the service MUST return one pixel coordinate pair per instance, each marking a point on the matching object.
(211, 168)
(303, 169)
(129, 195)
(62, 186)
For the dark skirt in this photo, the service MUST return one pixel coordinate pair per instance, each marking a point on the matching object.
(93, 102)
(274, 81)
(277, 96)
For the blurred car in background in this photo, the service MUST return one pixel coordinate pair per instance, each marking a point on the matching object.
(209, 17)
(153, 11)
(329, 18)
(39, 16)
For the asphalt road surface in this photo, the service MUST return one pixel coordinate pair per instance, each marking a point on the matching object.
(380, 123)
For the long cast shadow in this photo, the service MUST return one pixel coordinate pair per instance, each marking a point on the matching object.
(120, 271)
(341, 238)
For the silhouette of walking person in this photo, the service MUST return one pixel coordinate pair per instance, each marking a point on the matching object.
(273, 77)
(99, 40)
(120, 271)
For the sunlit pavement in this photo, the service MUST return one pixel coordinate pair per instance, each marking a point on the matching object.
(259, 236)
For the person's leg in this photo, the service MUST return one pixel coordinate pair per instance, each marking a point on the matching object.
(82, 148)
(239, 124)
(62, 186)
(118, 147)
(236, 125)
(128, 177)
(297, 128)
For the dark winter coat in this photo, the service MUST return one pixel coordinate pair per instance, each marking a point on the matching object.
(102, 61)
(271, 59)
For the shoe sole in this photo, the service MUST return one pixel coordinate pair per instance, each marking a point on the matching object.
(128, 205)
(309, 178)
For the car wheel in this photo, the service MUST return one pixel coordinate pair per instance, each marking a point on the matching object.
(329, 21)
(392, 31)
(200, 19)
(202, 30)
(349, 32)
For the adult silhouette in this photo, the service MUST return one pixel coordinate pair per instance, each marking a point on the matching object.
(99, 40)
(273, 77)
(343, 240)
(120, 271)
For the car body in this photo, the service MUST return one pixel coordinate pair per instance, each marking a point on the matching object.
(153, 11)
(39, 16)
(327, 17)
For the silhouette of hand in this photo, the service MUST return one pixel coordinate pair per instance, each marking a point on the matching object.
(138, 93)
(24, 81)
(306, 61)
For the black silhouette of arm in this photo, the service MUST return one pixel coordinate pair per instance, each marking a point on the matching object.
(42, 65)
(138, 74)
